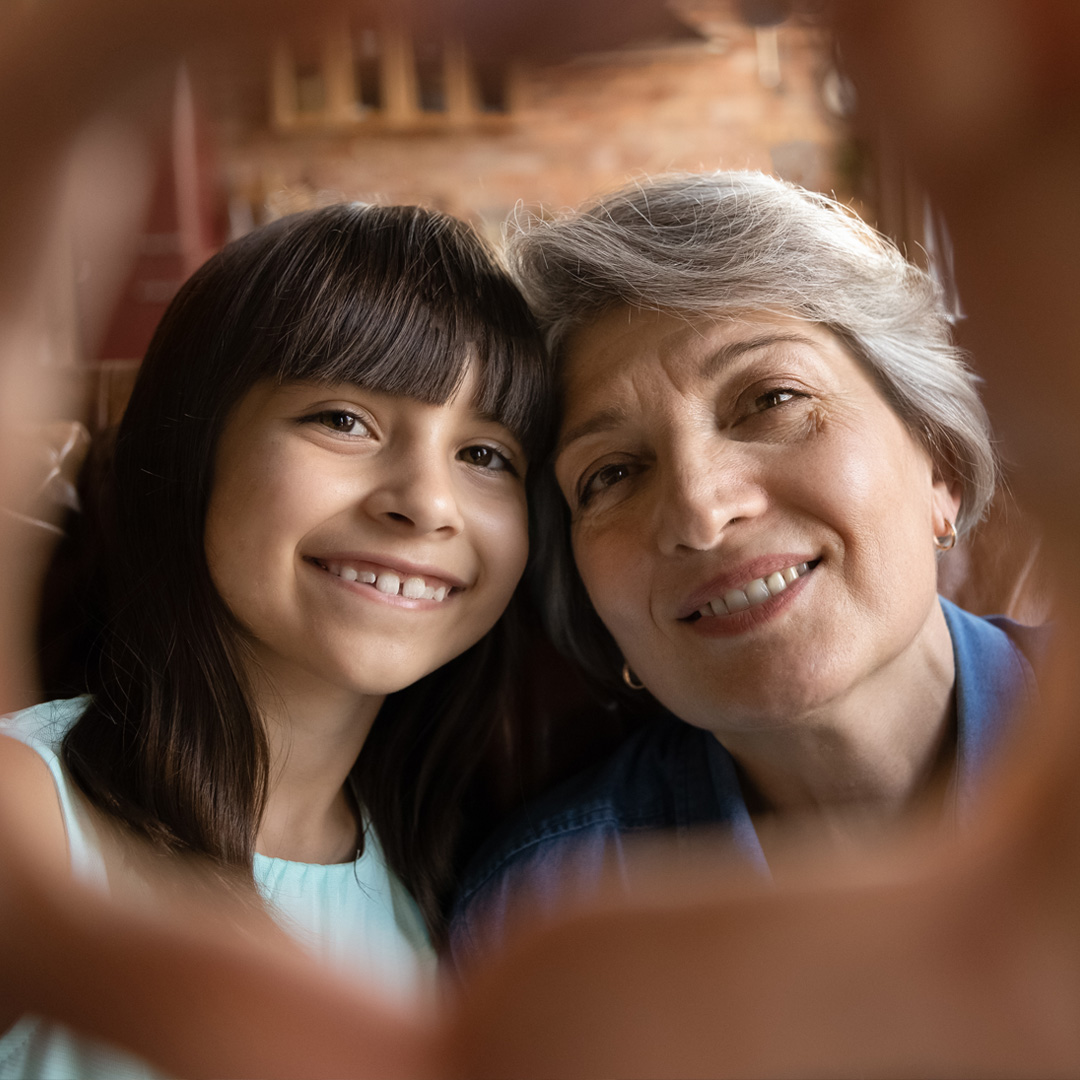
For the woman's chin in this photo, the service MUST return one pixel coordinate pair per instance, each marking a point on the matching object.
(772, 701)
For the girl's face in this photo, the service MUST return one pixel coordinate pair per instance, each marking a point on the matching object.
(362, 539)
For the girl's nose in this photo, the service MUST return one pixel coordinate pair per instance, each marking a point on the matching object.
(418, 495)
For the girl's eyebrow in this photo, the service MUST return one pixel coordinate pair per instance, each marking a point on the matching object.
(487, 416)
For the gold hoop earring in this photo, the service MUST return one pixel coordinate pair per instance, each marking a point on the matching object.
(948, 541)
(630, 678)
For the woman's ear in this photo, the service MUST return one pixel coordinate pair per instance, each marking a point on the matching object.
(944, 504)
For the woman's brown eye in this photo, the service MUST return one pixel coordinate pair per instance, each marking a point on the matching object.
(603, 478)
(772, 398)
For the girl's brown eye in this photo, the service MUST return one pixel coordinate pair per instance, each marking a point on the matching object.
(339, 420)
(486, 457)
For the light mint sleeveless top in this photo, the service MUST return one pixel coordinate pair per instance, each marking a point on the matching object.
(356, 917)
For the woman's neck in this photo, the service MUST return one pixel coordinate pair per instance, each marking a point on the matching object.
(876, 750)
(315, 735)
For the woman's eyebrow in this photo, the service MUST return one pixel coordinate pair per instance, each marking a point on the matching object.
(605, 420)
(726, 353)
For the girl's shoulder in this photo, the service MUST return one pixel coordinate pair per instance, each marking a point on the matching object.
(37, 798)
(44, 726)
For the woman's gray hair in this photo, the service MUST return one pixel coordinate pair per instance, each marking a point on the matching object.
(734, 242)
(728, 243)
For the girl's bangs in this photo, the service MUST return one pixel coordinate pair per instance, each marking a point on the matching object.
(403, 302)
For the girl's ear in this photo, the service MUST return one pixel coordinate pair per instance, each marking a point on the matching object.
(944, 504)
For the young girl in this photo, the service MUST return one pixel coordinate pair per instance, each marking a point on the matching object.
(316, 518)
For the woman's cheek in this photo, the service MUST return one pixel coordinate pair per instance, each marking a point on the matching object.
(613, 570)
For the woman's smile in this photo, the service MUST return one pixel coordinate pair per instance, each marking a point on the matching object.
(767, 578)
(742, 609)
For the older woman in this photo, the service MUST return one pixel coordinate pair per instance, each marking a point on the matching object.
(767, 441)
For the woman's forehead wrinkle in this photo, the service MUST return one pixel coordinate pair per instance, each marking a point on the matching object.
(605, 420)
(674, 357)
(723, 356)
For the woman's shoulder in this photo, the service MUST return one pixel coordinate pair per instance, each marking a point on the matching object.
(659, 777)
(997, 667)
(996, 646)
(629, 789)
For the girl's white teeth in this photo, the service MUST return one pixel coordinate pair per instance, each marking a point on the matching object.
(412, 588)
(389, 583)
(754, 592)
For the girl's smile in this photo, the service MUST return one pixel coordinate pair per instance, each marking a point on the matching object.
(405, 583)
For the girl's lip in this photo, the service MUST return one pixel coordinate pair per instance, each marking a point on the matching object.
(381, 563)
(385, 585)
(740, 576)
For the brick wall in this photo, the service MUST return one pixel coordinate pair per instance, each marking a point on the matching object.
(572, 129)
(719, 95)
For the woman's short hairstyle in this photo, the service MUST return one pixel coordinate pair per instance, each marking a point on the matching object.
(727, 243)
(396, 299)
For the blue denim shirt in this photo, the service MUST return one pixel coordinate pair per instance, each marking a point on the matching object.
(670, 775)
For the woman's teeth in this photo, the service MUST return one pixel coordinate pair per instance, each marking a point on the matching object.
(753, 592)
(390, 583)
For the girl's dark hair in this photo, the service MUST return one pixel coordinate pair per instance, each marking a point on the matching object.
(396, 299)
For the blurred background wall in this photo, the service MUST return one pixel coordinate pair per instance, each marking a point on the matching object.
(377, 109)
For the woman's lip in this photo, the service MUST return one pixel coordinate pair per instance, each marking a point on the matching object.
(740, 576)
(401, 567)
(737, 623)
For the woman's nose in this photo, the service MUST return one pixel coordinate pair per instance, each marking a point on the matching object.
(702, 497)
(417, 494)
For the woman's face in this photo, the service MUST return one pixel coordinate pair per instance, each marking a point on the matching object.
(363, 539)
(752, 459)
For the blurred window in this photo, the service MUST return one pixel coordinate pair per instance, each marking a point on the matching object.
(491, 87)
(367, 52)
(430, 74)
